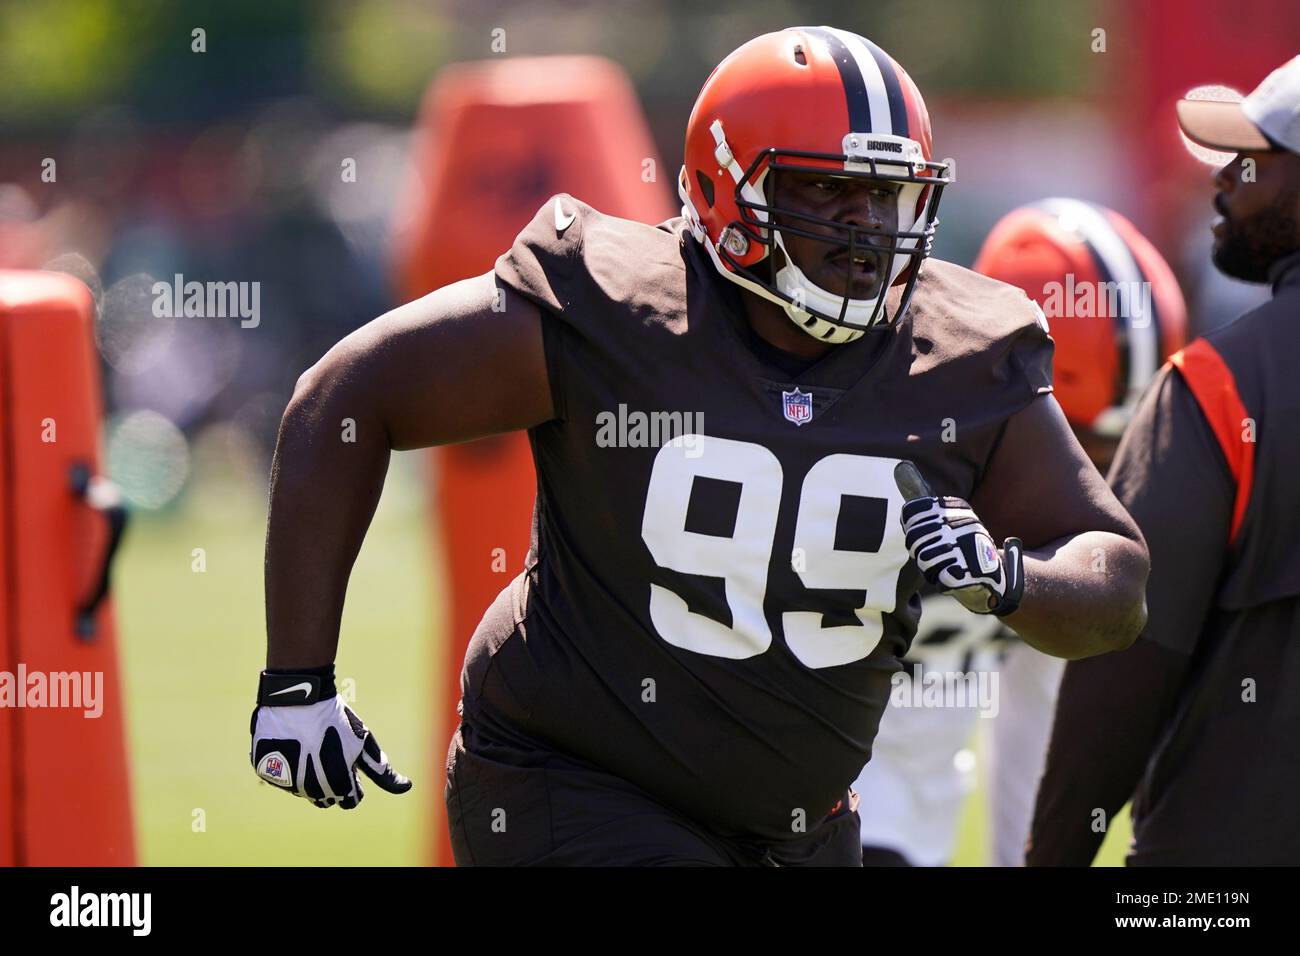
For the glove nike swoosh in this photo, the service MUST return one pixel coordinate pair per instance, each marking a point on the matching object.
(304, 687)
(1012, 551)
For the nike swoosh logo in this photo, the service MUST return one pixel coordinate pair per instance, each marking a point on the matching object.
(1013, 564)
(562, 221)
(304, 687)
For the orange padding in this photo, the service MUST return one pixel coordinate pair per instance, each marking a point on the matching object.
(1215, 389)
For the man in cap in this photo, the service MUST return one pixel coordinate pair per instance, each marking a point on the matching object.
(1196, 721)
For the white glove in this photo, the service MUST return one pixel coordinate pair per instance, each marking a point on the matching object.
(955, 552)
(307, 741)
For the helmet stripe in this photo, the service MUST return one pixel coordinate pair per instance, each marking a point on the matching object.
(855, 84)
(881, 65)
(871, 84)
(869, 70)
(1139, 343)
(918, 120)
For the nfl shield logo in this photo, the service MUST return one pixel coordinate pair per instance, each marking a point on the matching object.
(274, 769)
(987, 553)
(797, 406)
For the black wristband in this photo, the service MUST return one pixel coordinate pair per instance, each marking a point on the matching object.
(282, 687)
(325, 670)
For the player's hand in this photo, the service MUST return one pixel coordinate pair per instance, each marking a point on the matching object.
(955, 552)
(308, 742)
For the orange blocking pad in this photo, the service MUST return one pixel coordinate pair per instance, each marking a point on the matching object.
(64, 788)
(495, 140)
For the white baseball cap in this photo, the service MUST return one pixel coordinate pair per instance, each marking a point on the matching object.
(1266, 119)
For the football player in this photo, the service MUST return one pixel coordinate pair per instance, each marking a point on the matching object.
(692, 664)
(1115, 313)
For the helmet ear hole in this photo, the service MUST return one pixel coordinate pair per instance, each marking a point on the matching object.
(706, 186)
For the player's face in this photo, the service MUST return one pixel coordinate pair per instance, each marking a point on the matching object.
(847, 201)
(1260, 209)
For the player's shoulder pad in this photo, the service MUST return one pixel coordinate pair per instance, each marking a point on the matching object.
(982, 308)
(541, 261)
(558, 226)
(571, 252)
(961, 314)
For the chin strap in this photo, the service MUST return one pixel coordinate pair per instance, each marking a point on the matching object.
(792, 281)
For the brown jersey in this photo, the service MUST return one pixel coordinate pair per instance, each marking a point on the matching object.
(718, 590)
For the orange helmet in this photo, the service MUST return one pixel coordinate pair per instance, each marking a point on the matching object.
(809, 99)
(1113, 306)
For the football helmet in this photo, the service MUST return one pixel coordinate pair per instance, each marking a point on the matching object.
(1112, 303)
(810, 99)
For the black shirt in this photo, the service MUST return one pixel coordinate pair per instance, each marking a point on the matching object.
(716, 618)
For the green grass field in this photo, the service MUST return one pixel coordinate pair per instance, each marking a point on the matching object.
(192, 646)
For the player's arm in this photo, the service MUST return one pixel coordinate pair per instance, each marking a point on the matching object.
(1085, 561)
(445, 368)
(1112, 710)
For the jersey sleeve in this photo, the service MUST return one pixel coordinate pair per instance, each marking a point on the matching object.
(541, 265)
(985, 334)
(1170, 474)
(602, 284)
(1031, 351)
